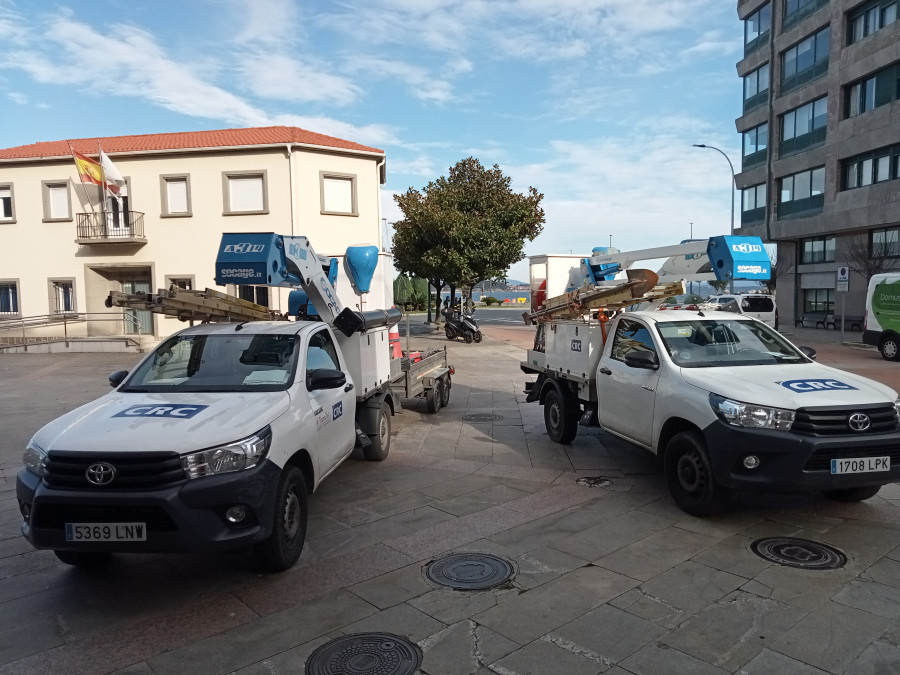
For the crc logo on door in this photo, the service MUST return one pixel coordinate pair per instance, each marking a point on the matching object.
(244, 247)
(576, 345)
(337, 410)
(181, 412)
(805, 386)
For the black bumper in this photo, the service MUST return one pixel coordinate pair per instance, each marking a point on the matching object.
(183, 518)
(871, 337)
(795, 462)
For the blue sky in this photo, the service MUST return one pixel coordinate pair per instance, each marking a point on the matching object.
(595, 103)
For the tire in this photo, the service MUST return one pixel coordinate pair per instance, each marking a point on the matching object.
(889, 348)
(477, 336)
(690, 478)
(445, 391)
(449, 333)
(560, 417)
(84, 558)
(434, 396)
(857, 494)
(381, 440)
(468, 338)
(283, 546)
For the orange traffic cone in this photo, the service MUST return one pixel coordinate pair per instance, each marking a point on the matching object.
(394, 341)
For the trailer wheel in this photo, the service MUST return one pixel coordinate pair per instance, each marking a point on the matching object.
(445, 391)
(434, 397)
(84, 558)
(690, 478)
(560, 417)
(381, 439)
(857, 494)
(283, 546)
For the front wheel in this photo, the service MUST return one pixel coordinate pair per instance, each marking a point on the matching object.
(857, 494)
(283, 547)
(449, 333)
(889, 348)
(380, 445)
(560, 417)
(690, 478)
(477, 336)
(468, 337)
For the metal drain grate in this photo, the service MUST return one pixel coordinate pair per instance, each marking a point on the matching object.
(594, 481)
(802, 553)
(365, 654)
(469, 571)
(482, 417)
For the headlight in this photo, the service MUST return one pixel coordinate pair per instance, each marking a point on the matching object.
(749, 415)
(897, 407)
(33, 458)
(237, 456)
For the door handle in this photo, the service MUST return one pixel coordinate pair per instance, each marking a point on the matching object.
(348, 387)
(605, 371)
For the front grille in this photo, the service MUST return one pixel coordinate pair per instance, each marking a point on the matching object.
(821, 460)
(834, 421)
(134, 470)
(54, 516)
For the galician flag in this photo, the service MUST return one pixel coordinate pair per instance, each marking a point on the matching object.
(88, 169)
(115, 183)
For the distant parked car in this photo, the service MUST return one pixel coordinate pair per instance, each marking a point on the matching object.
(688, 301)
(758, 305)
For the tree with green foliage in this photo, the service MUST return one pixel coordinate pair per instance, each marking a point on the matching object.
(466, 227)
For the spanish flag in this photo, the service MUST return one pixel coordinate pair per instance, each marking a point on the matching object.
(88, 169)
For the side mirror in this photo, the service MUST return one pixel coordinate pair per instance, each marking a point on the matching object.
(642, 359)
(808, 351)
(116, 378)
(325, 378)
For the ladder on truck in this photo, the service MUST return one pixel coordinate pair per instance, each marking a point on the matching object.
(641, 286)
(204, 306)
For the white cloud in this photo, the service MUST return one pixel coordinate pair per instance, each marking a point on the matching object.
(17, 97)
(282, 78)
(420, 82)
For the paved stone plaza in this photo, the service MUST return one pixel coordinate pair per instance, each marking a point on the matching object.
(609, 579)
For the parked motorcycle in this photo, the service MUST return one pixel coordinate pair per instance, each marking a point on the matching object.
(461, 324)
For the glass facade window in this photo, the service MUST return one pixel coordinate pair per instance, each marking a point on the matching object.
(756, 141)
(885, 243)
(871, 17)
(817, 250)
(876, 166)
(757, 27)
(806, 60)
(795, 10)
(878, 89)
(818, 300)
(804, 127)
(753, 203)
(802, 193)
(756, 87)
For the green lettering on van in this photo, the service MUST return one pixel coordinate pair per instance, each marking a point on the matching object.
(886, 305)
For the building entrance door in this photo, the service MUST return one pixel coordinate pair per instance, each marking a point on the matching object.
(141, 322)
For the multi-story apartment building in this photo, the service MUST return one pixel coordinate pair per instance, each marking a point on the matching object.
(65, 244)
(820, 172)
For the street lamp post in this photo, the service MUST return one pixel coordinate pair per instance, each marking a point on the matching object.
(733, 181)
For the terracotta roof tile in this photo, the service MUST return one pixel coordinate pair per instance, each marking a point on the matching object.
(183, 140)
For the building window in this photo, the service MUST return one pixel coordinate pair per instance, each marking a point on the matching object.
(885, 243)
(185, 283)
(817, 250)
(257, 294)
(756, 87)
(876, 90)
(9, 298)
(795, 10)
(753, 203)
(245, 192)
(802, 193)
(818, 300)
(804, 127)
(62, 296)
(57, 202)
(7, 205)
(877, 166)
(869, 18)
(338, 192)
(805, 61)
(175, 191)
(755, 143)
(757, 28)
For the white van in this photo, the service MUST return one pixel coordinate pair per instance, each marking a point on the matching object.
(882, 326)
(757, 305)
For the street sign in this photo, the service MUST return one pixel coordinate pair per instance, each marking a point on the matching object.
(843, 274)
(843, 286)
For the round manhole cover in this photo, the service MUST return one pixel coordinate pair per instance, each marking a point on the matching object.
(365, 654)
(594, 481)
(802, 553)
(469, 571)
(482, 417)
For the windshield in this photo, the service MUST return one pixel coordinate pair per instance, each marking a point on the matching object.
(703, 343)
(211, 363)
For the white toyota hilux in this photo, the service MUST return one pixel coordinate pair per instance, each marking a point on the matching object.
(211, 443)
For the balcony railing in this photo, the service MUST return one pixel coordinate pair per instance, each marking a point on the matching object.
(123, 227)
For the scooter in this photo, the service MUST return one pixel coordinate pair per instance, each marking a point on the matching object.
(461, 325)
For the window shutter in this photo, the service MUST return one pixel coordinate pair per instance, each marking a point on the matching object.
(246, 193)
(338, 195)
(59, 201)
(176, 196)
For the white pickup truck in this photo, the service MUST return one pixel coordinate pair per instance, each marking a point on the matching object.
(212, 442)
(727, 403)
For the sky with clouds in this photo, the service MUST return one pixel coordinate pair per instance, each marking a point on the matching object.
(596, 103)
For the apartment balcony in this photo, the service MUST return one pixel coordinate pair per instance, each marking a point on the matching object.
(114, 227)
